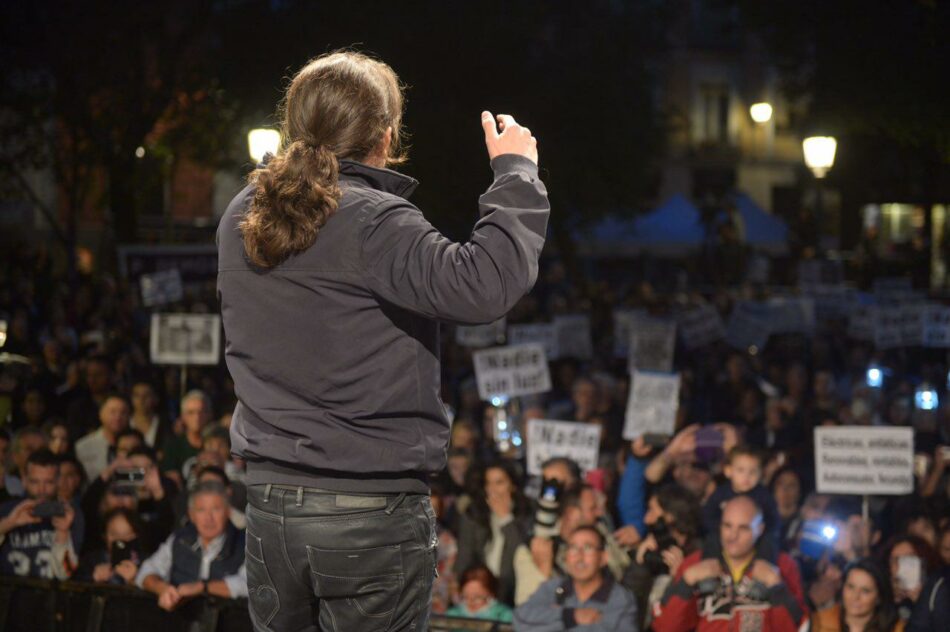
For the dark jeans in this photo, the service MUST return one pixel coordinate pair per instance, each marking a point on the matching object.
(319, 560)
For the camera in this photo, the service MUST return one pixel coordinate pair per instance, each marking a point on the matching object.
(122, 551)
(653, 560)
(709, 442)
(549, 505)
(49, 509)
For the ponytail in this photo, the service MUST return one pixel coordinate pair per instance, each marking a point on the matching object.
(297, 192)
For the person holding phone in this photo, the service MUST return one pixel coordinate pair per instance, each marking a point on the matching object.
(118, 561)
(40, 534)
(332, 286)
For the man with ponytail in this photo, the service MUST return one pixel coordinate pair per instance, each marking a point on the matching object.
(332, 286)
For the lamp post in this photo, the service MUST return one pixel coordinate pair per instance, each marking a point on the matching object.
(819, 154)
(761, 113)
(262, 141)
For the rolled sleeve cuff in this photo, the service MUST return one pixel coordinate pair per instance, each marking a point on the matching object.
(237, 583)
(514, 163)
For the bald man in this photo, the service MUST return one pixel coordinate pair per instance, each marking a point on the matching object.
(733, 584)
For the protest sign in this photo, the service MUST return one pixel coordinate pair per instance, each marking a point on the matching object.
(624, 321)
(573, 336)
(535, 333)
(185, 338)
(511, 371)
(864, 460)
(479, 336)
(792, 315)
(749, 326)
(700, 326)
(652, 405)
(937, 327)
(912, 324)
(861, 323)
(572, 439)
(160, 288)
(652, 345)
(888, 327)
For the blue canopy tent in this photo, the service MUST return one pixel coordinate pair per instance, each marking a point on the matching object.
(670, 230)
(763, 231)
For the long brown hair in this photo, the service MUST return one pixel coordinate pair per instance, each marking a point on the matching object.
(337, 106)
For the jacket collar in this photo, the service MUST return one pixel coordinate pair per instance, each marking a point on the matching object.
(601, 595)
(385, 180)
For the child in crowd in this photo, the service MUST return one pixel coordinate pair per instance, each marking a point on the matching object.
(743, 472)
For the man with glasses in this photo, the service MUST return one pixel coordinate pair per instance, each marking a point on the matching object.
(588, 597)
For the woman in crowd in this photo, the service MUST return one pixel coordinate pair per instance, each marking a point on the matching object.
(117, 559)
(494, 525)
(479, 597)
(57, 437)
(911, 561)
(865, 603)
(787, 490)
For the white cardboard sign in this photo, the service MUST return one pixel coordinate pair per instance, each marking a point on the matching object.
(624, 322)
(160, 288)
(652, 345)
(511, 371)
(535, 333)
(185, 339)
(749, 326)
(573, 439)
(652, 405)
(864, 460)
(573, 336)
(479, 336)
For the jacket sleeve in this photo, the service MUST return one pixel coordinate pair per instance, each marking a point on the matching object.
(410, 264)
(788, 611)
(677, 609)
(541, 613)
(630, 501)
(620, 615)
(527, 575)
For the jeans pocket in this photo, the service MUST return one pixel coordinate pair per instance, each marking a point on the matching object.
(360, 587)
(263, 601)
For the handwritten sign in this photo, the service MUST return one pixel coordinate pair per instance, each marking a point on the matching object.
(652, 405)
(652, 345)
(864, 460)
(185, 338)
(700, 326)
(624, 322)
(573, 439)
(160, 288)
(511, 371)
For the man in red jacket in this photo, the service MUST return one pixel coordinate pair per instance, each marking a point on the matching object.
(733, 585)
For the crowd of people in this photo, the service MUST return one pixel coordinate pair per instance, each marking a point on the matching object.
(114, 473)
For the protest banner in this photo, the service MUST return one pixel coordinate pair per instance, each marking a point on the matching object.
(511, 371)
(864, 460)
(573, 336)
(572, 439)
(700, 326)
(749, 326)
(161, 288)
(652, 404)
(185, 339)
(535, 333)
(652, 345)
(479, 336)
(624, 321)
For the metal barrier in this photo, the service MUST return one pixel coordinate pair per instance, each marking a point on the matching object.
(42, 605)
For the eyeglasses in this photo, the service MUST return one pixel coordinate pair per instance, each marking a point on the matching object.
(586, 548)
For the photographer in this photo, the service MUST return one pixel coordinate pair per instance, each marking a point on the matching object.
(673, 533)
(729, 585)
(40, 535)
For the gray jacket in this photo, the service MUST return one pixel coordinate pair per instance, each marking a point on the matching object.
(334, 353)
(551, 608)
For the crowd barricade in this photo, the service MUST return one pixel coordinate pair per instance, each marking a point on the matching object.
(43, 605)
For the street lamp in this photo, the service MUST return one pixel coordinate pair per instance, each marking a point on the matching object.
(761, 112)
(819, 154)
(262, 141)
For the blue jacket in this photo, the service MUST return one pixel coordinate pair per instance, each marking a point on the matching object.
(551, 608)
